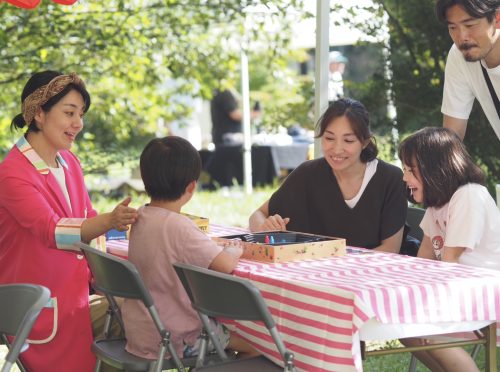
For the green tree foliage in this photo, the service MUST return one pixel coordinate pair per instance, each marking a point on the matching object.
(417, 48)
(127, 51)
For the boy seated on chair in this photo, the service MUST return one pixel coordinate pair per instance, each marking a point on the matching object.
(162, 236)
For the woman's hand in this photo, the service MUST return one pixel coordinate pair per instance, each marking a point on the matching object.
(260, 220)
(123, 215)
(273, 223)
(118, 219)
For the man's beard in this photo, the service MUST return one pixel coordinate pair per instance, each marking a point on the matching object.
(464, 48)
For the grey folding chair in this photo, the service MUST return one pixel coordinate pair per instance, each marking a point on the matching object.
(20, 305)
(214, 294)
(413, 218)
(116, 277)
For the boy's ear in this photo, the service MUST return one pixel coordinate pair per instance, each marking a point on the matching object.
(497, 19)
(191, 187)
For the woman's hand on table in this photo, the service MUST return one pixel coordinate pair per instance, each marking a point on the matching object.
(273, 223)
(260, 220)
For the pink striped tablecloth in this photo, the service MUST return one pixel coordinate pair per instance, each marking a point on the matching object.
(320, 305)
(120, 247)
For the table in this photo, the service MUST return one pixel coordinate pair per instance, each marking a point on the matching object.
(323, 308)
(226, 163)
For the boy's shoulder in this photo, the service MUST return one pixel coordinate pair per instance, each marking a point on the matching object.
(147, 212)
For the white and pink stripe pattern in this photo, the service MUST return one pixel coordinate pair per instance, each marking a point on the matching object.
(120, 247)
(320, 305)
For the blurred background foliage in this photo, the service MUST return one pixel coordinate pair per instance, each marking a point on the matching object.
(127, 51)
(415, 48)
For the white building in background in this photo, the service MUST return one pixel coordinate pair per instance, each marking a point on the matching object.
(196, 126)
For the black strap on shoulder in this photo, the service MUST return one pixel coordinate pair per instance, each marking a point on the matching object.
(493, 94)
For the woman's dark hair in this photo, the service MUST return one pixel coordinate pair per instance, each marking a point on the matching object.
(38, 80)
(168, 165)
(475, 8)
(443, 162)
(359, 119)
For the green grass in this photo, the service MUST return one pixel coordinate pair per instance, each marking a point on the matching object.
(401, 362)
(229, 206)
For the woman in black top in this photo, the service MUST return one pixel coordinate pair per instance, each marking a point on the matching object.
(348, 193)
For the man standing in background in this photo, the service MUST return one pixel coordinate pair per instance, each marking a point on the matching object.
(473, 65)
(227, 136)
(227, 117)
(336, 68)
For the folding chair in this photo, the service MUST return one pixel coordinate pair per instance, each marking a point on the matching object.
(413, 218)
(116, 277)
(412, 233)
(20, 305)
(214, 294)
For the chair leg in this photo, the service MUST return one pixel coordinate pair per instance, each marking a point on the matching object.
(97, 367)
(475, 351)
(7, 366)
(175, 357)
(413, 364)
(20, 365)
(200, 360)
(490, 357)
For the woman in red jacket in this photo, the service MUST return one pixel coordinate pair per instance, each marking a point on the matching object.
(44, 209)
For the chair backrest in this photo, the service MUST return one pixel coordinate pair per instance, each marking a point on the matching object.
(20, 305)
(115, 276)
(221, 295)
(413, 218)
(216, 294)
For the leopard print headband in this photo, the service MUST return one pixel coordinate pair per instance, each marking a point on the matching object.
(41, 95)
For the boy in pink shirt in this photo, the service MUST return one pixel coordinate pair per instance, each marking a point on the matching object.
(162, 236)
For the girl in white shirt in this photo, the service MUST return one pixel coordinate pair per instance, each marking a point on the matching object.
(461, 221)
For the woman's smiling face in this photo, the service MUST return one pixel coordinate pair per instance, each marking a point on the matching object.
(341, 147)
(60, 125)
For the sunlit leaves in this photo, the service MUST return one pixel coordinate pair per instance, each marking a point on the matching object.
(126, 50)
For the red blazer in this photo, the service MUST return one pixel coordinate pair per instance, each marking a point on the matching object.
(37, 228)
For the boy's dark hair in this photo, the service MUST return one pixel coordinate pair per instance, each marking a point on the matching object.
(168, 165)
(475, 8)
(443, 162)
(359, 119)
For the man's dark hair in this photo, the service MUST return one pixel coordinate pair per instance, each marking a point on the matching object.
(443, 162)
(168, 165)
(475, 8)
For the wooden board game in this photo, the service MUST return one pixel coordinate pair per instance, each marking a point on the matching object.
(284, 246)
(201, 222)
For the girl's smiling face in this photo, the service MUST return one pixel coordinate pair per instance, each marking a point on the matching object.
(413, 179)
